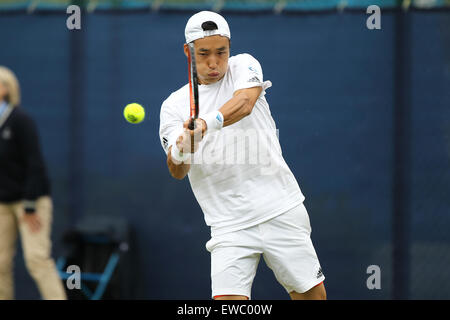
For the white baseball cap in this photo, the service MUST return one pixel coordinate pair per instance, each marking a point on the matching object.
(194, 30)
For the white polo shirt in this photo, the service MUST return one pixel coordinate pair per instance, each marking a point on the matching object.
(238, 175)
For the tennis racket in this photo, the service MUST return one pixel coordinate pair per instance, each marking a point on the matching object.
(193, 86)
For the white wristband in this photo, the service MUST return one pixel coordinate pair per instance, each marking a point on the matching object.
(178, 155)
(214, 121)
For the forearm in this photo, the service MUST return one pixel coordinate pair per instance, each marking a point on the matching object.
(37, 183)
(240, 106)
(236, 109)
(177, 169)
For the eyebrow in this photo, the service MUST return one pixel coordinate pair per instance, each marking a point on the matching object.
(207, 50)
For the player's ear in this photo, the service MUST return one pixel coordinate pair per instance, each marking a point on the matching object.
(185, 48)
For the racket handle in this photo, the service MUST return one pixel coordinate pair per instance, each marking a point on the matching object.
(191, 125)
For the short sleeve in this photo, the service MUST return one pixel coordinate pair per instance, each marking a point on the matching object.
(247, 73)
(170, 126)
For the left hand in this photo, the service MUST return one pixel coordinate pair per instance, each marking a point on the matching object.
(200, 127)
(192, 138)
(33, 221)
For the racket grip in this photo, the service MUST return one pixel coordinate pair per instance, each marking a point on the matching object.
(191, 125)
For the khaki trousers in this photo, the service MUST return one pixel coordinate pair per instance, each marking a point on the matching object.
(36, 250)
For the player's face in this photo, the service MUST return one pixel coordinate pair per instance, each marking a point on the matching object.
(211, 55)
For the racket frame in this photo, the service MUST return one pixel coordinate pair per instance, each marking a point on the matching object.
(193, 85)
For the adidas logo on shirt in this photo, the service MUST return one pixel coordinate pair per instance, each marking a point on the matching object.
(254, 79)
(319, 273)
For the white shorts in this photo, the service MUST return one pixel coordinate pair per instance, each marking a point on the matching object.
(284, 242)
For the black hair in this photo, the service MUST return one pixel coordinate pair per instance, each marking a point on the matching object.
(209, 25)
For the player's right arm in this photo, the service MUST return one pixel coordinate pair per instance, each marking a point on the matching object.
(185, 145)
(170, 129)
(177, 169)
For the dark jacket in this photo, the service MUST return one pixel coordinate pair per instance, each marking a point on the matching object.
(23, 175)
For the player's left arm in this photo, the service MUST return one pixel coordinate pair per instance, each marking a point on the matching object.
(240, 106)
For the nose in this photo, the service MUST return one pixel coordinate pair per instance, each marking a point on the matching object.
(212, 63)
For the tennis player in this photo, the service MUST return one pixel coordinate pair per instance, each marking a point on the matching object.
(249, 197)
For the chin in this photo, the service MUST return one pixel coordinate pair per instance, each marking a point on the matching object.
(212, 80)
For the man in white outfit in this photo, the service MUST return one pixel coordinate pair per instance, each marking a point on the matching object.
(249, 197)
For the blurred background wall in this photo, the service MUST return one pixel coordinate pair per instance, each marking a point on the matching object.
(337, 91)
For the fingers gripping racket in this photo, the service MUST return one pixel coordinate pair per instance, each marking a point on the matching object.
(193, 86)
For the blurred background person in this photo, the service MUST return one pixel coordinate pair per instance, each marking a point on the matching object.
(25, 201)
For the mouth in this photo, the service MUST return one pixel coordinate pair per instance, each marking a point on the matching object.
(213, 74)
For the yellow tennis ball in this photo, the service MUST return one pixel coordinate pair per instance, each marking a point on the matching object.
(134, 113)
